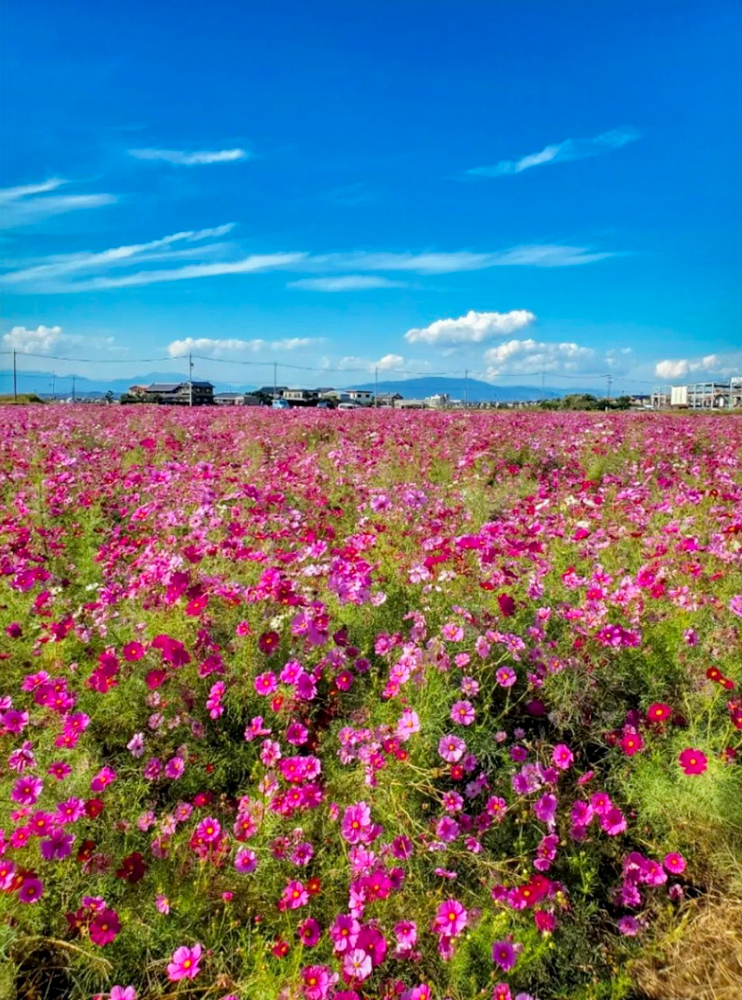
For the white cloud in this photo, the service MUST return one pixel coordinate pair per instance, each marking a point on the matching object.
(473, 328)
(570, 149)
(538, 356)
(47, 339)
(26, 204)
(711, 364)
(184, 159)
(529, 255)
(229, 347)
(345, 283)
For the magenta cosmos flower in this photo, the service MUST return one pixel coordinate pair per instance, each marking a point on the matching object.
(450, 919)
(27, 790)
(104, 927)
(184, 963)
(504, 954)
(316, 982)
(674, 863)
(562, 756)
(693, 761)
(31, 890)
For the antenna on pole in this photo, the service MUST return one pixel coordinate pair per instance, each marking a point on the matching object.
(15, 379)
(190, 380)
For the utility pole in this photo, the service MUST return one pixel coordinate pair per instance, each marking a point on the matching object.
(54, 386)
(608, 399)
(275, 380)
(190, 380)
(466, 388)
(542, 384)
(15, 379)
(376, 387)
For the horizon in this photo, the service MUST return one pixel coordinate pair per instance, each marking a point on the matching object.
(539, 197)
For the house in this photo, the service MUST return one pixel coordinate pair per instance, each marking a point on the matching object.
(180, 393)
(362, 396)
(269, 392)
(137, 390)
(410, 404)
(301, 397)
(388, 398)
(439, 401)
(229, 398)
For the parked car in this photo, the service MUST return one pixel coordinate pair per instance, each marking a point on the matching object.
(281, 404)
(348, 406)
(324, 404)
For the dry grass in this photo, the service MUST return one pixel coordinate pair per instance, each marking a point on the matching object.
(700, 960)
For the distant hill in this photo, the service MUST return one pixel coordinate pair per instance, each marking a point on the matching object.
(475, 390)
(40, 382)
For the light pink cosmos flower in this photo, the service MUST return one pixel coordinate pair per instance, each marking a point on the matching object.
(185, 963)
(123, 993)
(357, 966)
(451, 748)
(463, 713)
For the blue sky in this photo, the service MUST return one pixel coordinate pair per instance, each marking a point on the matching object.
(508, 188)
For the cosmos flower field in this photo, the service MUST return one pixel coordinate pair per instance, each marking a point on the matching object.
(412, 706)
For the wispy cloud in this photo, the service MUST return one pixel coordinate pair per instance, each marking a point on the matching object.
(473, 328)
(233, 346)
(30, 203)
(62, 265)
(345, 283)
(198, 158)
(89, 270)
(570, 149)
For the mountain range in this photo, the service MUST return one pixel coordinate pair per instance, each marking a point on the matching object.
(474, 390)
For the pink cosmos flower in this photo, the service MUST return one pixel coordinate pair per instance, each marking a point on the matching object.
(629, 926)
(294, 895)
(246, 861)
(674, 863)
(344, 933)
(123, 993)
(163, 904)
(27, 790)
(450, 919)
(316, 982)
(209, 830)
(356, 823)
(735, 605)
(309, 932)
(103, 779)
(506, 677)
(185, 963)
(693, 761)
